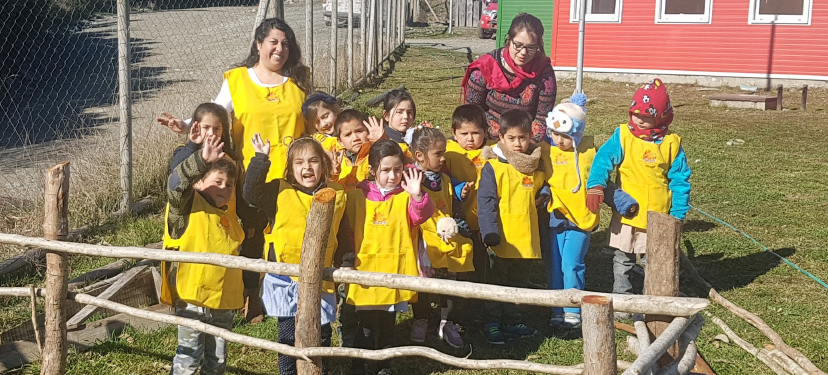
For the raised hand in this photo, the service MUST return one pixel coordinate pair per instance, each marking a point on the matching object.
(211, 151)
(175, 124)
(376, 128)
(412, 183)
(261, 146)
(466, 190)
(195, 133)
(336, 162)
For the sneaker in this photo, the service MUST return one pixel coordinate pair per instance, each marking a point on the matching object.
(566, 320)
(418, 330)
(450, 333)
(520, 330)
(493, 335)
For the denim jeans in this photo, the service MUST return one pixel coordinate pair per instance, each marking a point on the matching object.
(622, 271)
(193, 346)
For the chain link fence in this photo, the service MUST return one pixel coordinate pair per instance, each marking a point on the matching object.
(59, 85)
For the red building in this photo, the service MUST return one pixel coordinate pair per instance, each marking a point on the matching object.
(777, 39)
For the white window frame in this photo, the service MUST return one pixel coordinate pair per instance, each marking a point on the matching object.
(754, 18)
(574, 14)
(662, 17)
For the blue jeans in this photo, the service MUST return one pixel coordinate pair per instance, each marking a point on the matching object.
(565, 262)
(200, 349)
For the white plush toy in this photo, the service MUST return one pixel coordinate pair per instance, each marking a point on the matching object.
(446, 228)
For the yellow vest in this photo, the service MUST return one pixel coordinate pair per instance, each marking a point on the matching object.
(275, 112)
(518, 213)
(456, 255)
(384, 242)
(213, 230)
(288, 231)
(643, 173)
(564, 178)
(329, 143)
(406, 150)
(352, 173)
(465, 166)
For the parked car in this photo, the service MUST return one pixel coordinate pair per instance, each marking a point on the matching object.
(488, 20)
(342, 12)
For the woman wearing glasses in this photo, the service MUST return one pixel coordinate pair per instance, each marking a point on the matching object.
(517, 76)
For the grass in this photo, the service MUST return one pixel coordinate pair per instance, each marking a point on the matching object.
(770, 187)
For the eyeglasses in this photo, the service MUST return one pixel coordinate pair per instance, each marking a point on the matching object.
(529, 48)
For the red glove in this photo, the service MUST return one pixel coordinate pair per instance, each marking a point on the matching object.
(595, 197)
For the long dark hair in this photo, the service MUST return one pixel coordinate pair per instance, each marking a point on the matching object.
(293, 68)
(218, 111)
(302, 144)
(380, 150)
(530, 24)
(393, 98)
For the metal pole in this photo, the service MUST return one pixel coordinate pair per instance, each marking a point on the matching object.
(450, 14)
(334, 26)
(350, 43)
(309, 38)
(125, 104)
(579, 77)
(363, 37)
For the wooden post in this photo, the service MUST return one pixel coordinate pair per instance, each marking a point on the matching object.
(125, 104)
(380, 38)
(779, 97)
(308, 315)
(56, 227)
(350, 43)
(363, 31)
(388, 27)
(276, 9)
(372, 40)
(662, 276)
(309, 38)
(804, 105)
(261, 13)
(599, 336)
(334, 27)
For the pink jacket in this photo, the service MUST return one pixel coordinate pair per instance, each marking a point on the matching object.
(418, 212)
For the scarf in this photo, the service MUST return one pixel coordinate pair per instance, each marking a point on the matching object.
(496, 77)
(431, 180)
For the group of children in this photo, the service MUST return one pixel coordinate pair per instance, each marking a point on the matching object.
(410, 201)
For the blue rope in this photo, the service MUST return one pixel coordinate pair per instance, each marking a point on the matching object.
(798, 268)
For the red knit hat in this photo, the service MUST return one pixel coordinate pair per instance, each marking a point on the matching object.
(652, 99)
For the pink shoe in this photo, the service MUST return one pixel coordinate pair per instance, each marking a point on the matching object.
(450, 332)
(418, 330)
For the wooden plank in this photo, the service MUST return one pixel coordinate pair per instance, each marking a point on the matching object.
(476, 11)
(742, 97)
(16, 354)
(461, 13)
(469, 9)
(124, 279)
(105, 272)
(156, 280)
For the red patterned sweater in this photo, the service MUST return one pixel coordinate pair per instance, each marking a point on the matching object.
(536, 96)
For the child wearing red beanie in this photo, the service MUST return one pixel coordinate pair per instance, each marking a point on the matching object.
(652, 168)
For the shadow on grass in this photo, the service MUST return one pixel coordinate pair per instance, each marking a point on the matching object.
(698, 226)
(730, 273)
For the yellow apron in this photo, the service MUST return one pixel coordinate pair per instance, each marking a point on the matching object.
(209, 229)
(465, 166)
(406, 150)
(564, 178)
(643, 173)
(288, 231)
(352, 173)
(456, 255)
(329, 143)
(518, 218)
(275, 112)
(384, 242)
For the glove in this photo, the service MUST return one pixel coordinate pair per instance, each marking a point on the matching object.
(491, 239)
(446, 228)
(595, 197)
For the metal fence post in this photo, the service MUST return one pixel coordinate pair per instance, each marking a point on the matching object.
(579, 75)
(125, 104)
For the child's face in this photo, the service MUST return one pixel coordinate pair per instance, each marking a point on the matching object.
(352, 135)
(401, 117)
(433, 159)
(325, 119)
(564, 142)
(210, 125)
(307, 168)
(469, 136)
(516, 140)
(217, 187)
(388, 174)
(644, 122)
